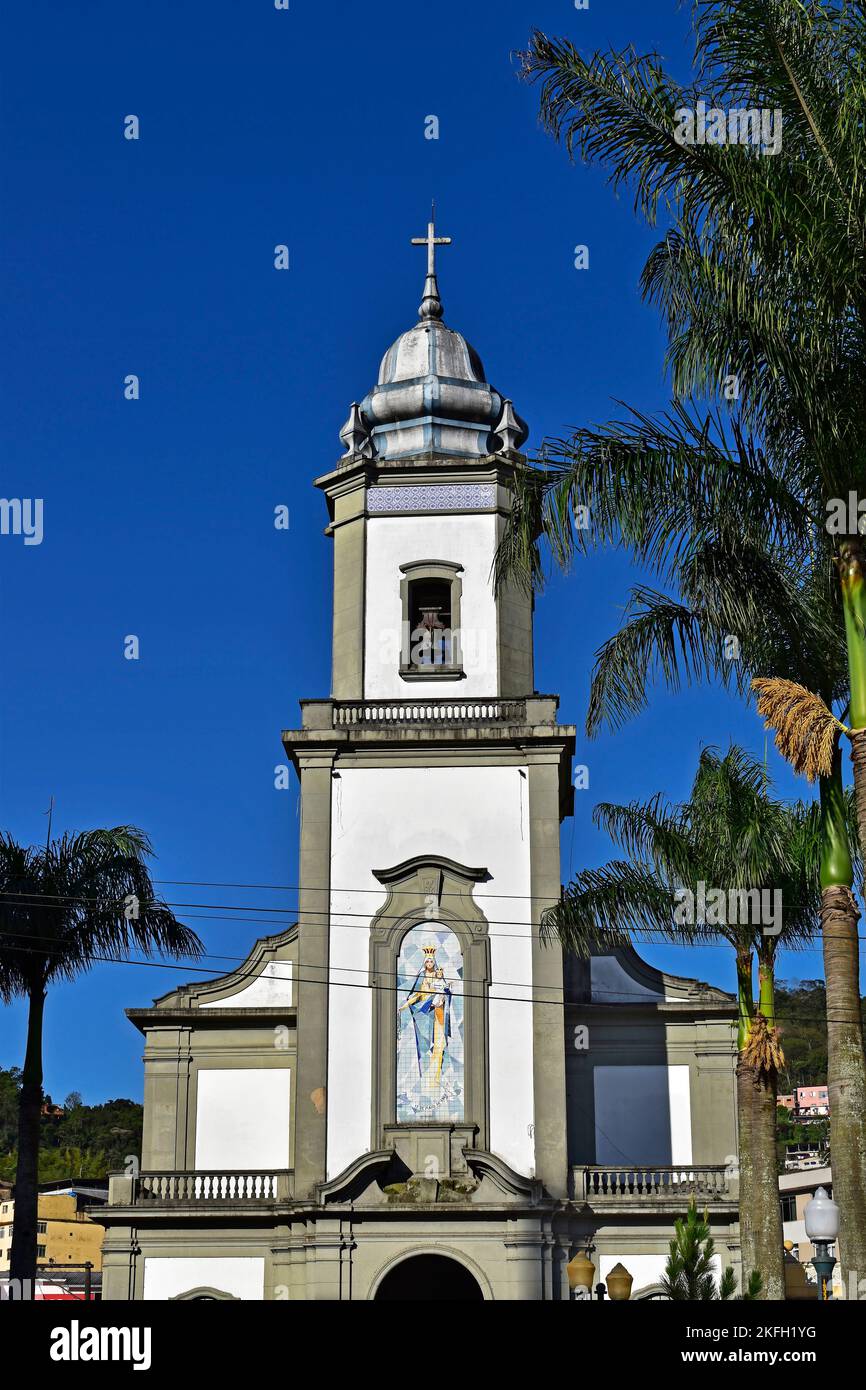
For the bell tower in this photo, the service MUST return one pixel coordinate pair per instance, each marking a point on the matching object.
(433, 783)
(421, 494)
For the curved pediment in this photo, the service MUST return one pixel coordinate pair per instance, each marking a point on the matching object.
(620, 976)
(265, 980)
(492, 1170)
(411, 867)
(379, 1167)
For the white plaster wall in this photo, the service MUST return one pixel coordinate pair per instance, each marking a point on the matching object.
(468, 540)
(242, 1118)
(271, 989)
(381, 817)
(241, 1276)
(642, 1115)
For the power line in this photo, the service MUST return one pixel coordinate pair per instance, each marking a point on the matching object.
(334, 916)
(333, 890)
(526, 998)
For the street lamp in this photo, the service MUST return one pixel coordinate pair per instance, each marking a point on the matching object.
(581, 1272)
(619, 1283)
(822, 1227)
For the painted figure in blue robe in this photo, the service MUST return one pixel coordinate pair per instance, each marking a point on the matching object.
(429, 1002)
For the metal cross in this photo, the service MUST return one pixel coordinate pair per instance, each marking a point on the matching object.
(431, 241)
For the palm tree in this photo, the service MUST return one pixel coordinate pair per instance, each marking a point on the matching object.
(760, 279)
(689, 1273)
(700, 508)
(734, 838)
(83, 898)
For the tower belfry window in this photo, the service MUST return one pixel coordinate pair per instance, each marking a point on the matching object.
(430, 646)
(430, 633)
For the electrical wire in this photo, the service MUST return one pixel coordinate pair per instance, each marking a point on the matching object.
(530, 998)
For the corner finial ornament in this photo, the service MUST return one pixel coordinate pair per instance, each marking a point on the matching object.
(355, 434)
(431, 305)
(508, 431)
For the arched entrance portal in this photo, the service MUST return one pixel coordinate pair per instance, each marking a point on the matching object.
(430, 1277)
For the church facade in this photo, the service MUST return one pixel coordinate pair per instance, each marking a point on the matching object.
(407, 1094)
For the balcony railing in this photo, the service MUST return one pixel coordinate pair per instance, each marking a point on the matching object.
(638, 1184)
(190, 1188)
(378, 714)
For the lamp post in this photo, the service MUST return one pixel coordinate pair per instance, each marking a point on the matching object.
(822, 1227)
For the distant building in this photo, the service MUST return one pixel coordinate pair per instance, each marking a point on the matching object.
(801, 1156)
(67, 1235)
(789, 1102)
(812, 1100)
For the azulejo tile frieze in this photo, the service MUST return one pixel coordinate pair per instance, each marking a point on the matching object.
(441, 497)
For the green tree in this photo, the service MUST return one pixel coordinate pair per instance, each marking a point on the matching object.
(80, 899)
(112, 1129)
(689, 1272)
(732, 836)
(10, 1085)
(760, 278)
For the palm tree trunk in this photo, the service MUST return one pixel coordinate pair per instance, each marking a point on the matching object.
(846, 1064)
(846, 1075)
(24, 1222)
(767, 986)
(760, 1212)
(745, 996)
(858, 762)
(852, 581)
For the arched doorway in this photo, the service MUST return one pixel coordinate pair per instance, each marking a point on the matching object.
(430, 1277)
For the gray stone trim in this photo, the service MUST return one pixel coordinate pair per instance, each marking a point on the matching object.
(507, 1179)
(344, 1252)
(314, 899)
(684, 988)
(442, 1142)
(426, 744)
(548, 1051)
(515, 648)
(414, 889)
(145, 1019)
(348, 531)
(449, 1251)
(167, 1079)
(681, 1008)
(433, 673)
(358, 1175)
(437, 861)
(190, 996)
(431, 569)
(191, 1294)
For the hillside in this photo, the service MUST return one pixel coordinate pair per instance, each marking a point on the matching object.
(801, 1007)
(84, 1141)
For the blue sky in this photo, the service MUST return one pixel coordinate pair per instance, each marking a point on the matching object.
(155, 257)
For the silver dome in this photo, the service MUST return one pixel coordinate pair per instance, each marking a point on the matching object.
(432, 395)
